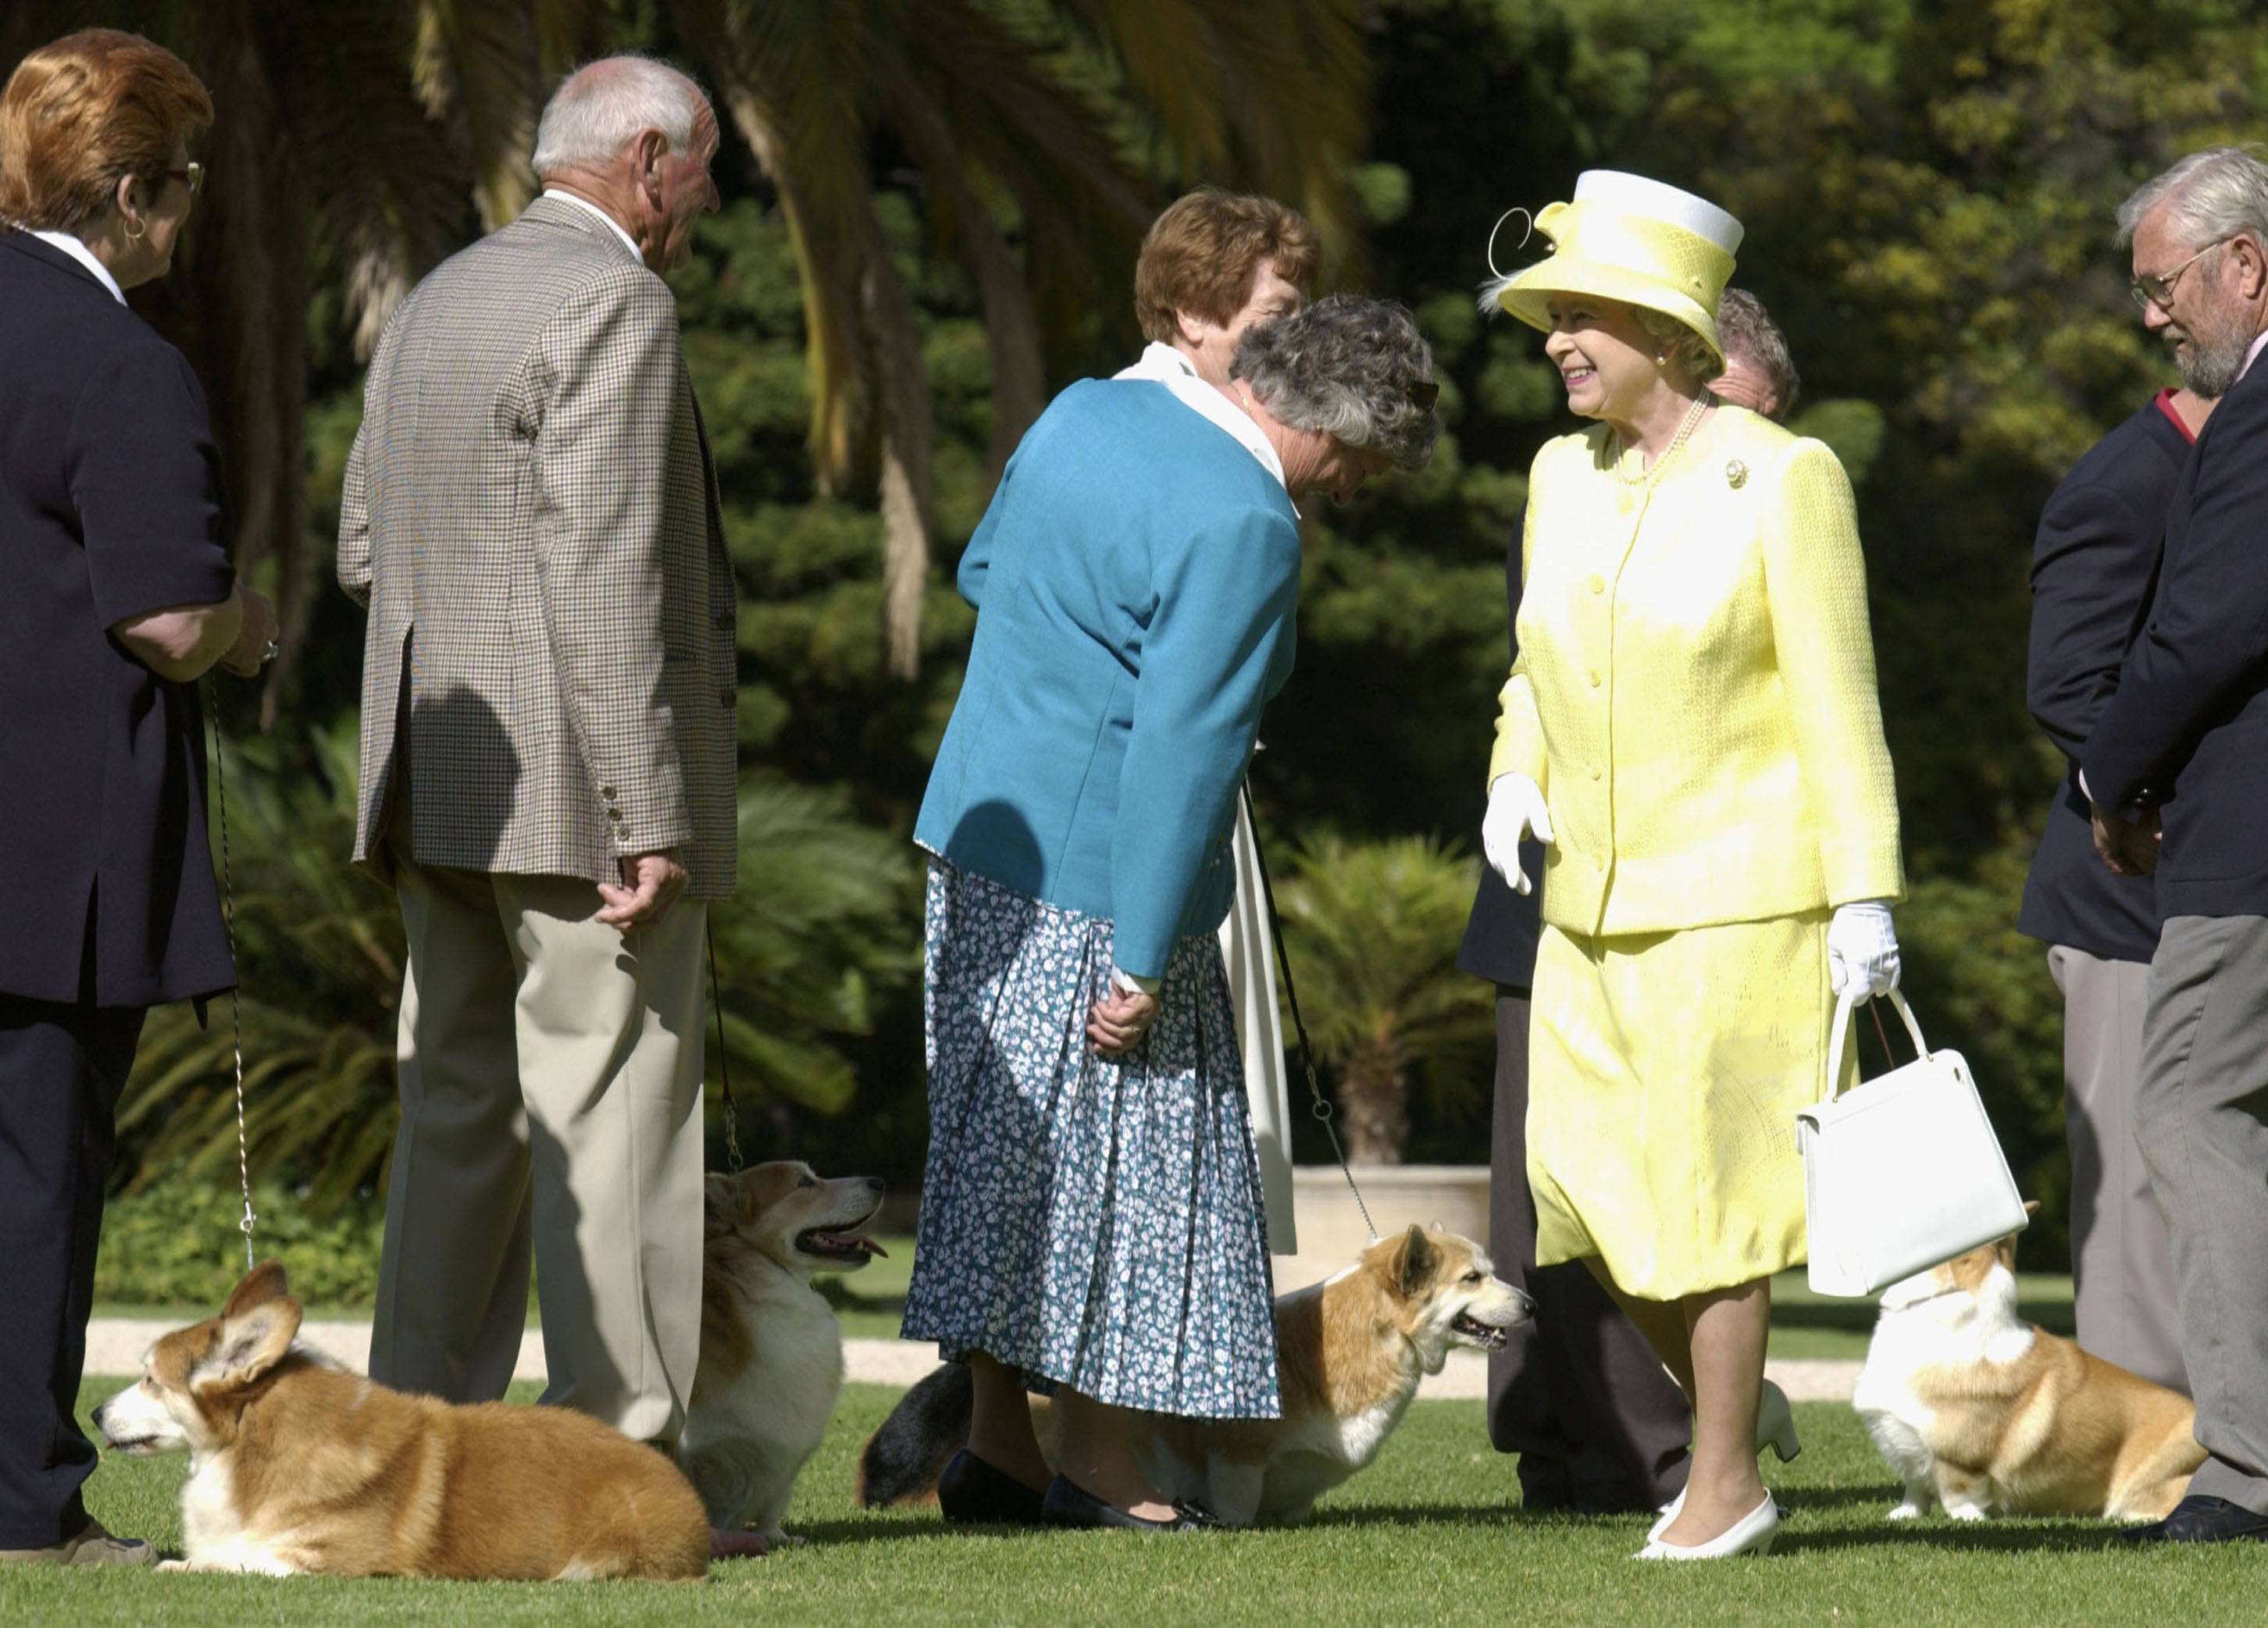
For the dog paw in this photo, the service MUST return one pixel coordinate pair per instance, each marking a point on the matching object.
(1907, 1511)
(1965, 1512)
(173, 1565)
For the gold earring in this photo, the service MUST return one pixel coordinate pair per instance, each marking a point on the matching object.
(133, 236)
(1661, 360)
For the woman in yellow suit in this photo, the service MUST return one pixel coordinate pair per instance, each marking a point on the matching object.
(1692, 727)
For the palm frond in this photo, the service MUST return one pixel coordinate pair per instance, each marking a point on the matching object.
(475, 66)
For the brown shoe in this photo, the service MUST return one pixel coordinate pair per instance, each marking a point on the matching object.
(91, 1545)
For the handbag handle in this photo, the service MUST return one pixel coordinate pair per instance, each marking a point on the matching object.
(1846, 1008)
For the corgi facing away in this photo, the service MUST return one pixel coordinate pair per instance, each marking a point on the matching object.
(771, 1348)
(296, 1465)
(1973, 1408)
(1349, 1351)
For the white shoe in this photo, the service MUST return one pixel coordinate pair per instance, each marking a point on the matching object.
(1752, 1534)
(1776, 1424)
(1775, 1429)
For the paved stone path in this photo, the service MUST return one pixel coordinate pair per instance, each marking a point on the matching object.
(116, 1345)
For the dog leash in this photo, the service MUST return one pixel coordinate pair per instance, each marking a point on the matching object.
(724, 1061)
(235, 1014)
(1320, 1106)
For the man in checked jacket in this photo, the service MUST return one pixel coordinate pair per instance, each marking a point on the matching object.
(548, 768)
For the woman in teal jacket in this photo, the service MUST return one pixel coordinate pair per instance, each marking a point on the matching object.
(1091, 1214)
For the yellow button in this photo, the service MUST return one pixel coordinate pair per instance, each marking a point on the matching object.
(1598, 774)
(1598, 584)
(1623, 502)
(1594, 679)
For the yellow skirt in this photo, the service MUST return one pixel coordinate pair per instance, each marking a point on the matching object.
(1665, 1074)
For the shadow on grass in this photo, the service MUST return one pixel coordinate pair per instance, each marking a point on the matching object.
(1958, 1537)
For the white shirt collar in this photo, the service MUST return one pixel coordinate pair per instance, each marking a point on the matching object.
(2253, 355)
(84, 256)
(589, 208)
(1162, 365)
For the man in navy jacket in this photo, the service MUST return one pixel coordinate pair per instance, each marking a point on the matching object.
(2177, 774)
(2095, 562)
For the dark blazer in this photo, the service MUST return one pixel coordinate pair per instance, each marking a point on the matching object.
(2095, 561)
(1501, 933)
(2188, 729)
(107, 511)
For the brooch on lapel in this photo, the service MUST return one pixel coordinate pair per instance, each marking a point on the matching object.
(1736, 473)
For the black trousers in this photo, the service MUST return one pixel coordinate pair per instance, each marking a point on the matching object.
(61, 1068)
(1578, 1393)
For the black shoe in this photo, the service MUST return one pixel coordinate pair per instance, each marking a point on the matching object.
(970, 1491)
(1069, 1504)
(2200, 1518)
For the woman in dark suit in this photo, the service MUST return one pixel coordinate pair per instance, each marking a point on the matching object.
(115, 596)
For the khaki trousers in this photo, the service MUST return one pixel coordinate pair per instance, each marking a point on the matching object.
(550, 1079)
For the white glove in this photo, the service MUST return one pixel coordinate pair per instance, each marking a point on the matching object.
(1515, 809)
(1862, 952)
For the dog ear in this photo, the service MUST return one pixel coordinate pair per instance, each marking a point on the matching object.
(263, 1282)
(1414, 1260)
(720, 1197)
(251, 1343)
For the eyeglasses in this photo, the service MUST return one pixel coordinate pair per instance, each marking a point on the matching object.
(193, 173)
(1422, 392)
(2158, 288)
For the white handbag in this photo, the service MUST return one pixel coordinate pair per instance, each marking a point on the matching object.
(1902, 1172)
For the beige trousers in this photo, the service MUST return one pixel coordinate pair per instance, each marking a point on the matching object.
(550, 1079)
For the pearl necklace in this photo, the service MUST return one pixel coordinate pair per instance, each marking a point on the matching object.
(1685, 428)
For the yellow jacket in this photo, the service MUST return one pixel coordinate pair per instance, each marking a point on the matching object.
(1694, 689)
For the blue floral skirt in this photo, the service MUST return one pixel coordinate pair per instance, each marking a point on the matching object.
(1089, 1221)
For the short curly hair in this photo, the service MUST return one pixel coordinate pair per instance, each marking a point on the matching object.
(84, 112)
(1355, 369)
(1679, 345)
(1746, 329)
(1202, 252)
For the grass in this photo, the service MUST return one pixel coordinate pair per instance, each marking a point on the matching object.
(1431, 1533)
(871, 1301)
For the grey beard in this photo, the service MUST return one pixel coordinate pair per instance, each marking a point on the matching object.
(2213, 364)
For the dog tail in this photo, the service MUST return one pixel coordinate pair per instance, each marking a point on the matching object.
(901, 1460)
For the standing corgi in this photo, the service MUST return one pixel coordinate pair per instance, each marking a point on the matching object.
(298, 1465)
(1349, 1352)
(1975, 1409)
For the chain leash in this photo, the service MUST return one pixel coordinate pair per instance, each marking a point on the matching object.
(235, 1012)
(1319, 1105)
(724, 1062)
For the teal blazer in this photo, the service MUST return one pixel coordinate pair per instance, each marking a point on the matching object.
(1135, 579)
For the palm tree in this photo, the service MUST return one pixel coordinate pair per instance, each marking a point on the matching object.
(358, 140)
(1372, 931)
(986, 98)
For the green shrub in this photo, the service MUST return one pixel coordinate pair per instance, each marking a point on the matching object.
(177, 1243)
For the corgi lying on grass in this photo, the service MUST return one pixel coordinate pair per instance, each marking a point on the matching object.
(296, 1465)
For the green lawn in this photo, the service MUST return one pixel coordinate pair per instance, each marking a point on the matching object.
(1431, 1533)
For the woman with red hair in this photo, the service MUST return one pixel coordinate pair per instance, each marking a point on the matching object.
(115, 596)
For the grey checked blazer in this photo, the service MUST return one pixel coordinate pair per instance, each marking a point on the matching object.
(531, 519)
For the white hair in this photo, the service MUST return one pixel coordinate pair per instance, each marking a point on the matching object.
(2212, 196)
(604, 105)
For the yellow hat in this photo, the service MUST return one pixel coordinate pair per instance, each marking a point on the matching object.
(1625, 238)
